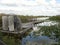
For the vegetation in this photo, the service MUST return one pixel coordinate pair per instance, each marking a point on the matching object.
(22, 17)
(13, 39)
(55, 29)
(55, 18)
(49, 30)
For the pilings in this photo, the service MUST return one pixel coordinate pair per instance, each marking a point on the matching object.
(11, 23)
(17, 23)
(5, 23)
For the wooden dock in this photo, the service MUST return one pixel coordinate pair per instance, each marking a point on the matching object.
(12, 24)
(25, 27)
(16, 32)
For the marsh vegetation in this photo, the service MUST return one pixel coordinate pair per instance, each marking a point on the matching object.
(53, 31)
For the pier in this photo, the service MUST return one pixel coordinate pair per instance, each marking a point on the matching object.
(14, 25)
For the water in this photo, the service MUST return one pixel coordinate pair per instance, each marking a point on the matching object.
(39, 39)
(43, 18)
(48, 23)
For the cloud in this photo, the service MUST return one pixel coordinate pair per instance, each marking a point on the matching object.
(30, 7)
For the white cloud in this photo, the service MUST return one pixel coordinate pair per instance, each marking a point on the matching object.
(30, 7)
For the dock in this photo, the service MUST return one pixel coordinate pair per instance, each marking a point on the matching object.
(13, 25)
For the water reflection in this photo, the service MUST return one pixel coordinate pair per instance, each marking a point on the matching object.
(35, 28)
(48, 23)
(33, 39)
(38, 39)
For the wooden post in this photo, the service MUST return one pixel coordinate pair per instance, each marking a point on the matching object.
(17, 23)
(5, 22)
(11, 23)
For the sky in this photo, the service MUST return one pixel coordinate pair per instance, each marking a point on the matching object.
(30, 7)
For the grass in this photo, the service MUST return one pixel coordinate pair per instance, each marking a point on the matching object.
(49, 29)
(55, 18)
